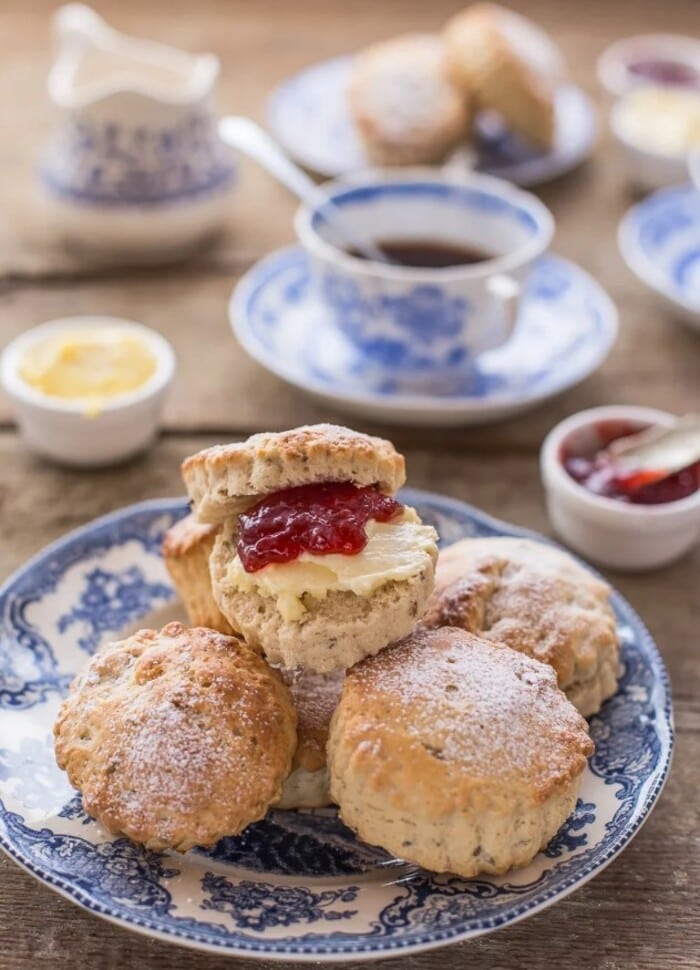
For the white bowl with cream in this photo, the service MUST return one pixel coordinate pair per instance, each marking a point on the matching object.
(613, 533)
(88, 390)
(656, 128)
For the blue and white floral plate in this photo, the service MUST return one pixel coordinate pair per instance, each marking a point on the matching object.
(297, 886)
(308, 115)
(660, 241)
(566, 328)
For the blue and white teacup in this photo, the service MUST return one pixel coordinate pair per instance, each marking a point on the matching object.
(424, 325)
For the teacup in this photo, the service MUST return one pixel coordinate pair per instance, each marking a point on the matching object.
(421, 325)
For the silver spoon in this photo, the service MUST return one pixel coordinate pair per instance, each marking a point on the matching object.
(658, 449)
(252, 140)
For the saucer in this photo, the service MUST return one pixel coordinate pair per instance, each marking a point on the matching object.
(566, 328)
(308, 115)
(659, 239)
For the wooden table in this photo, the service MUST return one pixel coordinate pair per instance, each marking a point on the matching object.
(643, 910)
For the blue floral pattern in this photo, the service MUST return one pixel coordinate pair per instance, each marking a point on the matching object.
(299, 843)
(109, 601)
(298, 883)
(659, 240)
(413, 330)
(111, 164)
(572, 834)
(386, 347)
(260, 905)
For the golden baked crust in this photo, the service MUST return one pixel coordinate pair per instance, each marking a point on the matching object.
(224, 480)
(404, 103)
(456, 753)
(177, 738)
(186, 549)
(536, 599)
(485, 62)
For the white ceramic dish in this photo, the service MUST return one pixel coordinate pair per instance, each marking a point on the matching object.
(297, 886)
(658, 239)
(308, 115)
(613, 63)
(645, 169)
(694, 167)
(134, 167)
(59, 429)
(281, 324)
(622, 536)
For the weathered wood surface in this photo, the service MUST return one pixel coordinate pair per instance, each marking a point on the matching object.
(642, 912)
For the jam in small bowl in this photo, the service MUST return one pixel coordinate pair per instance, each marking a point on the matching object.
(671, 59)
(608, 517)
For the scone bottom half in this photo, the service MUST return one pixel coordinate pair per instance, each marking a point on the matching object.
(315, 562)
(178, 737)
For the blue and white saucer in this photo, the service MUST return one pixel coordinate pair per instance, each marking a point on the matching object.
(308, 115)
(297, 886)
(566, 328)
(660, 241)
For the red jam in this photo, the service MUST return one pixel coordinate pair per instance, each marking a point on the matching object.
(665, 72)
(319, 519)
(598, 474)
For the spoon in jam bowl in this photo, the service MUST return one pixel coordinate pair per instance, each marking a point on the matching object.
(654, 454)
(248, 137)
(623, 485)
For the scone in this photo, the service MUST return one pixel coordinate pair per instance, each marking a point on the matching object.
(177, 738)
(315, 698)
(536, 599)
(405, 106)
(507, 65)
(186, 550)
(316, 563)
(456, 753)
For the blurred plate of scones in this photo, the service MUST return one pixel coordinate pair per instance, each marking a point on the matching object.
(487, 90)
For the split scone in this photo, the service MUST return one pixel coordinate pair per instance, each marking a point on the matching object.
(177, 738)
(186, 551)
(508, 65)
(538, 600)
(316, 563)
(315, 698)
(405, 106)
(456, 753)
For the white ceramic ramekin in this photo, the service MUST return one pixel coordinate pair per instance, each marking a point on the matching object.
(613, 533)
(60, 429)
(613, 72)
(645, 168)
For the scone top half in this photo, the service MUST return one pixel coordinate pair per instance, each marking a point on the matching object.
(316, 562)
(225, 480)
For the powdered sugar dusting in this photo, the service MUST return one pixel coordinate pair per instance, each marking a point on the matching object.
(177, 738)
(476, 704)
